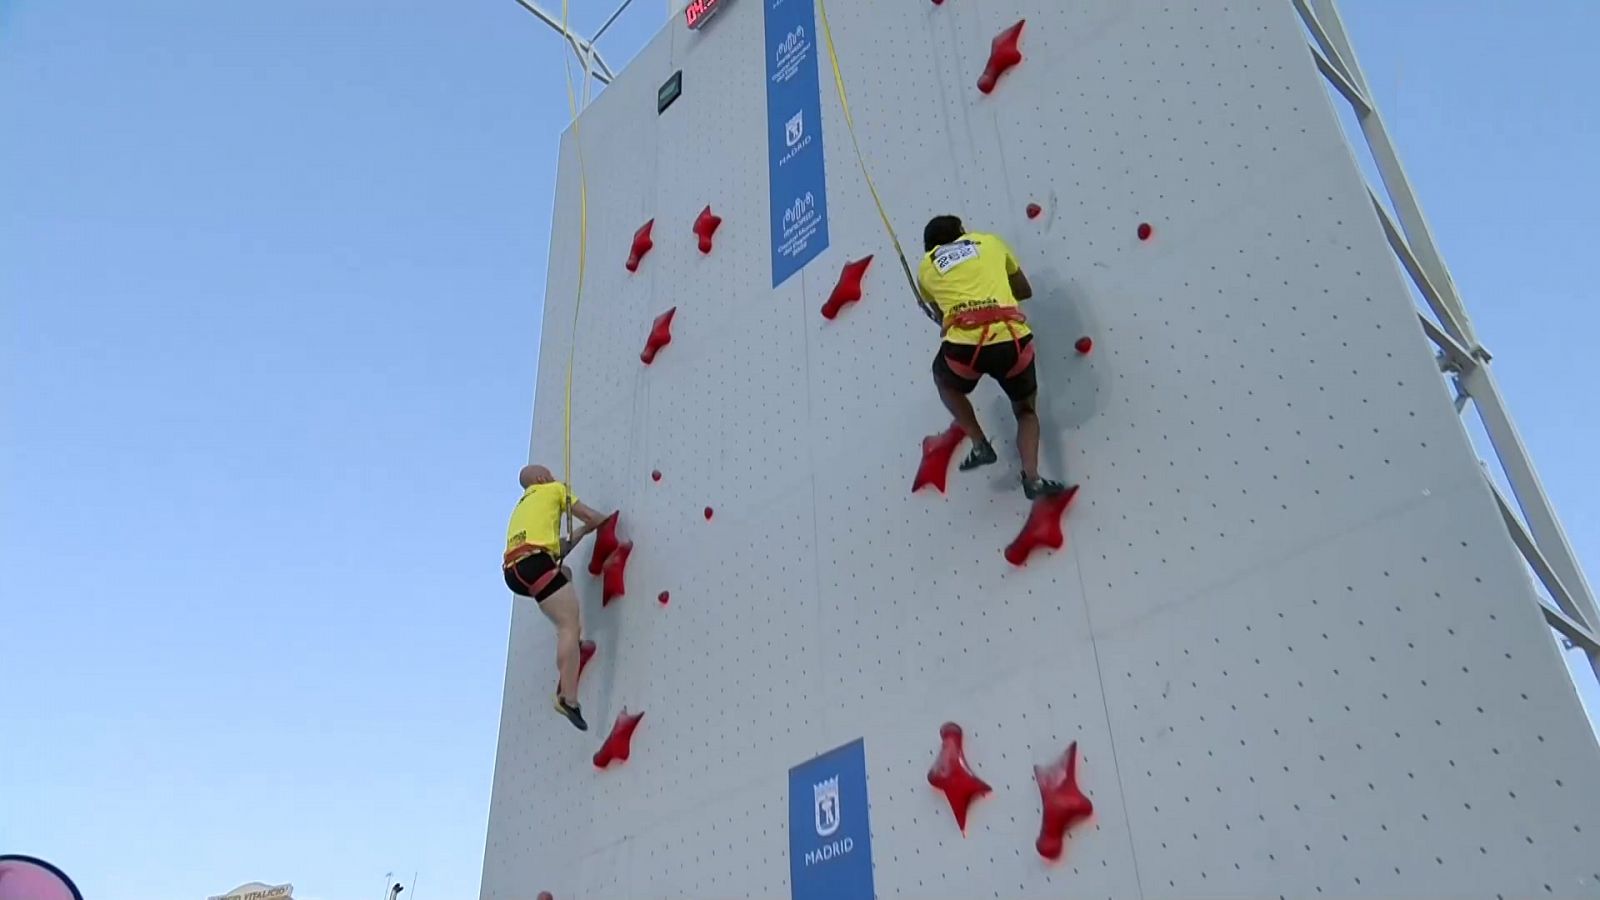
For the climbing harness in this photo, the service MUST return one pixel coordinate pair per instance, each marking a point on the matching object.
(850, 126)
(583, 253)
(1010, 317)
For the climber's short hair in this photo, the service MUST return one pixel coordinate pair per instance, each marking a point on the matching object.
(942, 230)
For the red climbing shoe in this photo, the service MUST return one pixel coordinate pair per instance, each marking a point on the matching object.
(1035, 488)
(982, 455)
(572, 712)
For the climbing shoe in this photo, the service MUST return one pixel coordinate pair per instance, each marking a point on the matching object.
(982, 455)
(1034, 488)
(572, 712)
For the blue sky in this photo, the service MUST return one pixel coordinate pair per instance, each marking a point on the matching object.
(270, 278)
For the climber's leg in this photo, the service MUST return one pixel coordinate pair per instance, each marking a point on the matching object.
(953, 390)
(1027, 435)
(539, 576)
(1020, 380)
(561, 607)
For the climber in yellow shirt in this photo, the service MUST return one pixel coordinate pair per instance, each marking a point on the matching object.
(532, 566)
(974, 284)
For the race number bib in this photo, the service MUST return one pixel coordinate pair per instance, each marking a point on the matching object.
(951, 255)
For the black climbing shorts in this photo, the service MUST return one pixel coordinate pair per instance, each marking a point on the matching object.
(523, 576)
(955, 367)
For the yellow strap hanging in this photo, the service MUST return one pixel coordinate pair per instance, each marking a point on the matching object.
(583, 254)
(850, 126)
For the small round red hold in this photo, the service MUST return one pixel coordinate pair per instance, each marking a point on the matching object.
(664, 597)
(708, 514)
(1145, 231)
(1083, 345)
(1035, 210)
(656, 475)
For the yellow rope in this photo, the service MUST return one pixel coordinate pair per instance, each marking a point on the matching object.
(583, 253)
(850, 126)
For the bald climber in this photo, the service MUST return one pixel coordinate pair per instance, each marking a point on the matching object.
(533, 568)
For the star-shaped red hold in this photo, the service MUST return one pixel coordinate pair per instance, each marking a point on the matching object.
(619, 743)
(605, 541)
(660, 336)
(1064, 805)
(705, 225)
(951, 774)
(1003, 54)
(848, 290)
(641, 245)
(1043, 528)
(613, 584)
(937, 449)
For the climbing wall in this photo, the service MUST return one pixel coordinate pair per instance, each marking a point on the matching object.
(1288, 633)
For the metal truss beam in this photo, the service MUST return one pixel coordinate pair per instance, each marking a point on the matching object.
(594, 64)
(1541, 540)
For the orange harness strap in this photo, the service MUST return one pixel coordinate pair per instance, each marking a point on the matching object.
(1010, 317)
(522, 552)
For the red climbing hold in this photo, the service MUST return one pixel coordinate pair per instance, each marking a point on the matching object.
(705, 225)
(664, 597)
(641, 245)
(951, 774)
(619, 743)
(1003, 54)
(605, 541)
(656, 475)
(1043, 528)
(660, 336)
(613, 586)
(1083, 345)
(1145, 231)
(1064, 805)
(848, 290)
(708, 514)
(1035, 210)
(937, 449)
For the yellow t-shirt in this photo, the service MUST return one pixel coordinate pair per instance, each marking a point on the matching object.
(969, 274)
(536, 521)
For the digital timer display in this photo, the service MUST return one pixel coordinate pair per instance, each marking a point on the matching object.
(698, 11)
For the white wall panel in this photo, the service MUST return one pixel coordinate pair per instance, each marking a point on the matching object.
(1295, 644)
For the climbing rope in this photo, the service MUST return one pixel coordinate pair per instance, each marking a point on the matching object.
(861, 159)
(583, 253)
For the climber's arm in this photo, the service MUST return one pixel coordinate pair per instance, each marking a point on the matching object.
(591, 520)
(1020, 288)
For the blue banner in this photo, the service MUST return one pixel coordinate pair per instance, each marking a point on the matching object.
(798, 180)
(830, 838)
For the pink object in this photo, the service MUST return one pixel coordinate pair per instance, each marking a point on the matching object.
(848, 290)
(619, 743)
(951, 774)
(1064, 805)
(1003, 55)
(605, 541)
(612, 583)
(708, 514)
(705, 225)
(660, 336)
(1043, 528)
(1035, 210)
(664, 597)
(937, 449)
(1083, 345)
(642, 244)
(1145, 231)
(27, 878)
(656, 475)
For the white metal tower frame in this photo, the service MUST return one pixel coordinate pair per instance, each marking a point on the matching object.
(1536, 532)
(1463, 359)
